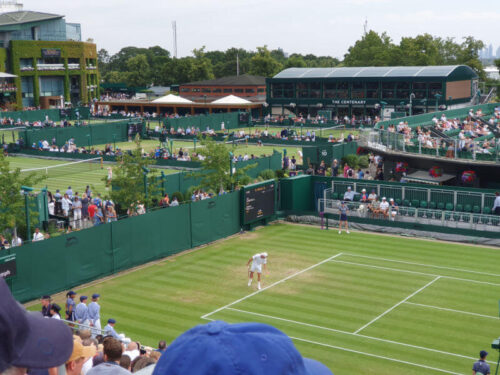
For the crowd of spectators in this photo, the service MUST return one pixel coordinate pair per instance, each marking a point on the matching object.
(318, 120)
(473, 126)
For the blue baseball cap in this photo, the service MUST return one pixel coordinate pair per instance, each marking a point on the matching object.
(83, 298)
(28, 339)
(483, 353)
(228, 349)
(95, 295)
(112, 321)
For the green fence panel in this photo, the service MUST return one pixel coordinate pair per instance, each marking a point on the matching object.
(296, 193)
(215, 218)
(212, 121)
(59, 263)
(144, 238)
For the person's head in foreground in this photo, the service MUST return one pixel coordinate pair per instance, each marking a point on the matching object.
(28, 340)
(227, 349)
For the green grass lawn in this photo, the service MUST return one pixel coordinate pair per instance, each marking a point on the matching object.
(78, 176)
(360, 303)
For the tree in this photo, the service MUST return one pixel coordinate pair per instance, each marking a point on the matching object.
(139, 71)
(215, 173)
(497, 63)
(263, 64)
(372, 50)
(295, 61)
(128, 180)
(469, 55)
(102, 61)
(115, 77)
(12, 202)
(421, 50)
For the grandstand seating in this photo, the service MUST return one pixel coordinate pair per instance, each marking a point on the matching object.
(470, 201)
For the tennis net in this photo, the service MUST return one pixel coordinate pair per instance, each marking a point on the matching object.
(65, 169)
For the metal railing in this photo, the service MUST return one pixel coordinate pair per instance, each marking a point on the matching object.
(410, 194)
(450, 219)
(448, 148)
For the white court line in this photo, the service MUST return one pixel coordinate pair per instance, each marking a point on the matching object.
(353, 334)
(270, 286)
(425, 265)
(452, 310)
(367, 354)
(376, 356)
(397, 304)
(415, 272)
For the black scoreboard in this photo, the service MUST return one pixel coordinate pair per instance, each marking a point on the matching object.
(258, 201)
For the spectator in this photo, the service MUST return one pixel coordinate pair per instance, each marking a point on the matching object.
(109, 329)
(481, 366)
(174, 202)
(393, 208)
(82, 312)
(4, 243)
(78, 358)
(125, 362)
(364, 196)
(66, 204)
(20, 338)
(132, 351)
(162, 346)
(143, 362)
(496, 204)
(112, 355)
(384, 207)
(45, 300)
(310, 170)
(206, 348)
(77, 212)
(372, 195)
(321, 169)
(16, 241)
(349, 194)
(54, 311)
(335, 168)
(38, 236)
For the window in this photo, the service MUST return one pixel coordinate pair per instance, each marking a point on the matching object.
(228, 91)
(250, 91)
(403, 90)
(35, 33)
(435, 88)
(51, 86)
(329, 90)
(196, 89)
(217, 91)
(277, 90)
(315, 90)
(372, 90)
(26, 63)
(303, 90)
(343, 90)
(238, 91)
(261, 90)
(358, 90)
(206, 89)
(288, 91)
(388, 90)
(185, 89)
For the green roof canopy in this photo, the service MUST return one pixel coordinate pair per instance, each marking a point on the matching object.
(444, 71)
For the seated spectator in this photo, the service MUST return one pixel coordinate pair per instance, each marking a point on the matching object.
(206, 348)
(174, 202)
(162, 346)
(21, 337)
(112, 355)
(384, 207)
(374, 206)
(349, 194)
(38, 236)
(364, 196)
(393, 208)
(109, 329)
(132, 351)
(78, 357)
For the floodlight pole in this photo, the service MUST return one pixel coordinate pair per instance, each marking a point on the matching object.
(437, 96)
(231, 169)
(412, 96)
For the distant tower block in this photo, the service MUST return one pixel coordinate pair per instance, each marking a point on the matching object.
(174, 29)
(10, 6)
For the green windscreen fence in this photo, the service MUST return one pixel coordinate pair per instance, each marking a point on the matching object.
(328, 152)
(82, 113)
(87, 135)
(63, 262)
(231, 120)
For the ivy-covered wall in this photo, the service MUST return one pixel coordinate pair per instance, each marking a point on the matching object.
(21, 49)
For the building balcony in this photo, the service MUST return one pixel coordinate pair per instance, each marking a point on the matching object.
(50, 67)
(27, 69)
(73, 66)
(91, 67)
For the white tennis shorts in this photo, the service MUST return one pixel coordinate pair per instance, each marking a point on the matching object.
(256, 268)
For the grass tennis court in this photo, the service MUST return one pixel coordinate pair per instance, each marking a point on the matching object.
(360, 303)
(78, 176)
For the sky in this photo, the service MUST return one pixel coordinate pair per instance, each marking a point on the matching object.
(320, 27)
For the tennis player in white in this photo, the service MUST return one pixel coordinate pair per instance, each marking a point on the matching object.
(258, 260)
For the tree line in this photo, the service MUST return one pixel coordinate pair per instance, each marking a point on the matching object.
(155, 66)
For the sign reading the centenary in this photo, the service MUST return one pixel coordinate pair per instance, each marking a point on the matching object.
(8, 266)
(349, 101)
(51, 52)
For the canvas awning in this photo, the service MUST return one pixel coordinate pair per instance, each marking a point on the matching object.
(172, 99)
(231, 100)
